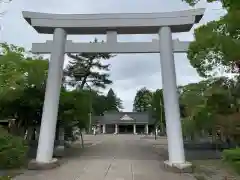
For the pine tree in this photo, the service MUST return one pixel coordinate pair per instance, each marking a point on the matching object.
(87, 68)
(113, 103)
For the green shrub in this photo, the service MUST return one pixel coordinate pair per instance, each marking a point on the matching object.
(5, 178)
(12, 150)
(231, 155)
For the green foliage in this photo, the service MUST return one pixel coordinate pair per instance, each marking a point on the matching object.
(12, 150)
(200, 120)
(151, 102)
(11, 75)
(192, 95)
(18, 71)
(22, 78)
(157, 108)
(188, 127)
(232, 157)
(210, 105)
(74, 108)
(216, 45)
(98, 104)
(113, 103)
(142, 100)
(22, 87)
(216, 51)
(5, 178)
(196, 114)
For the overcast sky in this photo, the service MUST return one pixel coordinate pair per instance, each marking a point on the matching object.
(129, 72)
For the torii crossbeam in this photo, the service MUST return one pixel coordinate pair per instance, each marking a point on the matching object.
(110, 47)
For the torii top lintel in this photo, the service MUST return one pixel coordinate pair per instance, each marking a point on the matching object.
(127, 23)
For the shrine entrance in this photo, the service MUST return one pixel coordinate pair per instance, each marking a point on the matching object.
(125, 129)
(163, 24)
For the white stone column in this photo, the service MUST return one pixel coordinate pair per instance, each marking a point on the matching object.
(134, 129)
(170, 95)
(146, 128)
(51, 101)
(104, 128)
(116, 129)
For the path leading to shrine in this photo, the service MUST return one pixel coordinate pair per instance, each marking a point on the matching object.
(121, 157)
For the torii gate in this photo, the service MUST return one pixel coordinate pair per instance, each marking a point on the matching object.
(163, 24)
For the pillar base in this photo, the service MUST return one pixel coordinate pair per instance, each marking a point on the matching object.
(34, 165)
(179, 168)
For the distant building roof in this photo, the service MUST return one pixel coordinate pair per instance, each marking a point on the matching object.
(124, 118)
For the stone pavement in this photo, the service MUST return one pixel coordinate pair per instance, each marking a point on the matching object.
(115, 157)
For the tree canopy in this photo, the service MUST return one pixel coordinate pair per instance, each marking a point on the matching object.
(113, 103)
(228, 4)
(142, 100)
(216, 45)
(23, 80)
(212, 105)
(157, 108)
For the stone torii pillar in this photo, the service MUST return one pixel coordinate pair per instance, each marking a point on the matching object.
(51, 101)
(50, 107)
(170, 95)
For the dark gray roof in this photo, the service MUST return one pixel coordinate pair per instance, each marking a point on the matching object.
(124, 118)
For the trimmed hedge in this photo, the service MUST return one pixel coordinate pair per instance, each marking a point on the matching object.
(13, 150)
(232, 157)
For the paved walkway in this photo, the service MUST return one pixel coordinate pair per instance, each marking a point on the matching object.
(121, 157)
